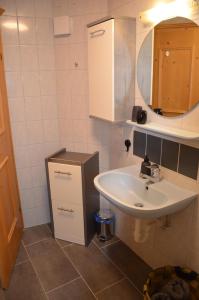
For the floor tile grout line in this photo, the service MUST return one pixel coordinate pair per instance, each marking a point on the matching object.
(109, 286)
(80, 275)
(78, 271)
(113, 243)
(141, 293)
(48, 228)
(32, 244)
(102, 247)
(95, 244)
(62, 285)
(21, 262)
(65, 246)
(29, 259)
(62, 249)
(124, 276)
(41, 225)
(104, 254)
(46, 225)
(76, 268)
(120, 270)
(42, 287)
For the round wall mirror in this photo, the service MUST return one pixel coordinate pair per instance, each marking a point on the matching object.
(168, 67)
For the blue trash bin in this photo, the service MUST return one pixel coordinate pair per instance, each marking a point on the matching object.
(105, 224)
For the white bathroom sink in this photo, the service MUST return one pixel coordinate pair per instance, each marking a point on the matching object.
(125, 189)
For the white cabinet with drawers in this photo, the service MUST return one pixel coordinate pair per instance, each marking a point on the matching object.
(73, 198)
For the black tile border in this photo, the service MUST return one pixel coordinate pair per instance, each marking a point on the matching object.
(183, 159)
(188, 161)
(170, 155)
(139, 143)
(154, 148)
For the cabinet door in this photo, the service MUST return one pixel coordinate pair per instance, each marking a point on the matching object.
(67, 202)
(68, 221)
(101, 70)
(65, 183)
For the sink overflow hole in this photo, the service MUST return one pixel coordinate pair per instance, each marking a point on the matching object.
(139, 205)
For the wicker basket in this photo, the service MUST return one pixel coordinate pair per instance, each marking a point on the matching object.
(161, 276)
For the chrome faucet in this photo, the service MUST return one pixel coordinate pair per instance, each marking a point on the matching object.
(151, 172)
(154, 173)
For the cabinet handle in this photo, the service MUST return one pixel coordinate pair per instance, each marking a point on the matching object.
(97, 33)
(63, 173)
(66, 209)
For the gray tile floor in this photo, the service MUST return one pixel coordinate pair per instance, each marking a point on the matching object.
(58, 270)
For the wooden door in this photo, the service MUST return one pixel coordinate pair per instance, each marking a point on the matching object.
(174, 80)
(194, 95)
(11, 223)
(176, 55)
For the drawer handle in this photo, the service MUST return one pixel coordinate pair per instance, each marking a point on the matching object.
(63, 173)
(65, 209)
(97, 33)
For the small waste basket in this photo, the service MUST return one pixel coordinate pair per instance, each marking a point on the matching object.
(105, 222)
(172, 283)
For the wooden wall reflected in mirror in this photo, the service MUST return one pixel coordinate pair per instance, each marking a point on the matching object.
(168, 73)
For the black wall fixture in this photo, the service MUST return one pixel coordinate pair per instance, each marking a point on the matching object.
(127, 144)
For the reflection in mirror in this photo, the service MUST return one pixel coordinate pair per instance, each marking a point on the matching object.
(168, 67)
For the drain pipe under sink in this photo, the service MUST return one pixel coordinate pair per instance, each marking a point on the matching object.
(142, 229)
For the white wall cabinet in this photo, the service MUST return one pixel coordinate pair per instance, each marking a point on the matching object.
(73, 198)
(111, 67)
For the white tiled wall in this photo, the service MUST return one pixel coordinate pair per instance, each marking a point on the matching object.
(31, 83)
(179, 243)
(47, 84)
(77, 131)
